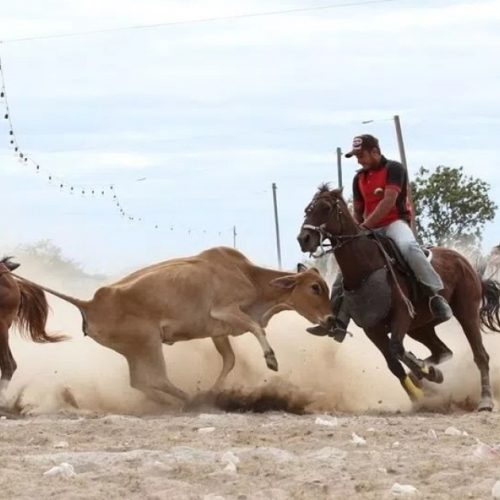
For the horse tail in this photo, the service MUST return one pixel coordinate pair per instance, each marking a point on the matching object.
(490, 307)
(32, 315)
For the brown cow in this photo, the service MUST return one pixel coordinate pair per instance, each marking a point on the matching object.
(215, 294)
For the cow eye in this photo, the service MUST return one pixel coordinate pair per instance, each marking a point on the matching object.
(316, 288)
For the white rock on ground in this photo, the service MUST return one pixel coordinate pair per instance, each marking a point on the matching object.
(328, 421)
(403, 489)
(452, 431)
(231, 460)
(358, 440)
(206, 430)
(64, 470)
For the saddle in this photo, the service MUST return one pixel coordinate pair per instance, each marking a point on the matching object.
(399, 263)
(371, 301)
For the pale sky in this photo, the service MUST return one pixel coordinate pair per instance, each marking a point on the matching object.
(211, 114)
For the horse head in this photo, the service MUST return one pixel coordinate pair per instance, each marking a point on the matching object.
(327, 217)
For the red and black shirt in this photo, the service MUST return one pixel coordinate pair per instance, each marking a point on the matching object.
(369, 188)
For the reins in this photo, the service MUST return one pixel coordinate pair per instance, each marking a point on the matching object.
(336, 241)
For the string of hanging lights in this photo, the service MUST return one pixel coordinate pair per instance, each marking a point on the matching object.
(72, 188)
(98, 190)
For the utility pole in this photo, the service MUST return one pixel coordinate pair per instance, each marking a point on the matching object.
(401, 145)
(339, 167)
(277, 225)
(402, 155)
(234, 236)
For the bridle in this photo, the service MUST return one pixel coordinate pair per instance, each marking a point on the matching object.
(339, 240)
(335, 241)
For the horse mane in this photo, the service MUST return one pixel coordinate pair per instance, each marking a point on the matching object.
(324, 187)
(7, 262)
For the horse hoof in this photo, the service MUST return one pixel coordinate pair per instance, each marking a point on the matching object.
(435, 375)
(485, 405)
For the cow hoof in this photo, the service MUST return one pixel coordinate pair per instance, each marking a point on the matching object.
(486, 404)
(271, 362)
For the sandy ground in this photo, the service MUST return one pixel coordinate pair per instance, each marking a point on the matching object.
(274, 455)
(118, 444)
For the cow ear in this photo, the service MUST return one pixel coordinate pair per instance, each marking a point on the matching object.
(301, 267)
(284, 282)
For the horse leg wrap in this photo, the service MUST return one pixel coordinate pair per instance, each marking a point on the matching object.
(414, 392)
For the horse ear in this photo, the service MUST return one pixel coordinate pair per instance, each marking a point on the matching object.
(301, 267)
(284, 282)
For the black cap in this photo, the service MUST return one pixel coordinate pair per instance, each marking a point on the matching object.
(360, 142)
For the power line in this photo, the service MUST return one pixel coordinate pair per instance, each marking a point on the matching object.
(198, 21)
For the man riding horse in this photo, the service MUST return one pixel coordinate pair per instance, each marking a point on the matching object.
(381, 204)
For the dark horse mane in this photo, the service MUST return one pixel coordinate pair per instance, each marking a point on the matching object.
(7, 262)
(325, 187)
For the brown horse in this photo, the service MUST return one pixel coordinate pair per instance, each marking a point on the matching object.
(25, 306)
(359, 255)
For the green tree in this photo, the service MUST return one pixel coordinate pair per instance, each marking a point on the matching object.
(451, 208)
(46, 255)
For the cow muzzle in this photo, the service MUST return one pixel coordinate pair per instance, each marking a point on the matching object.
(328, 322)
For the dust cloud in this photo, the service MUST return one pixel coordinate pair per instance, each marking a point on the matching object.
(315, 374)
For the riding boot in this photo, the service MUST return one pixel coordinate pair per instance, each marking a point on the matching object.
(440, 308)
(342, 319)
(338, 330)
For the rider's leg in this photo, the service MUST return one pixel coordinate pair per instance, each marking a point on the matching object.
(400, 232)
(342, 318)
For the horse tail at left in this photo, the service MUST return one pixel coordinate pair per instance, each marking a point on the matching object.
(32, 316)
(490, 307)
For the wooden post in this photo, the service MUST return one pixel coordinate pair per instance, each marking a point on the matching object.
(339, 167)
(278, 246)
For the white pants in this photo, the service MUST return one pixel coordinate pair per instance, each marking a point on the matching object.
(403, 236)
(401, 233)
